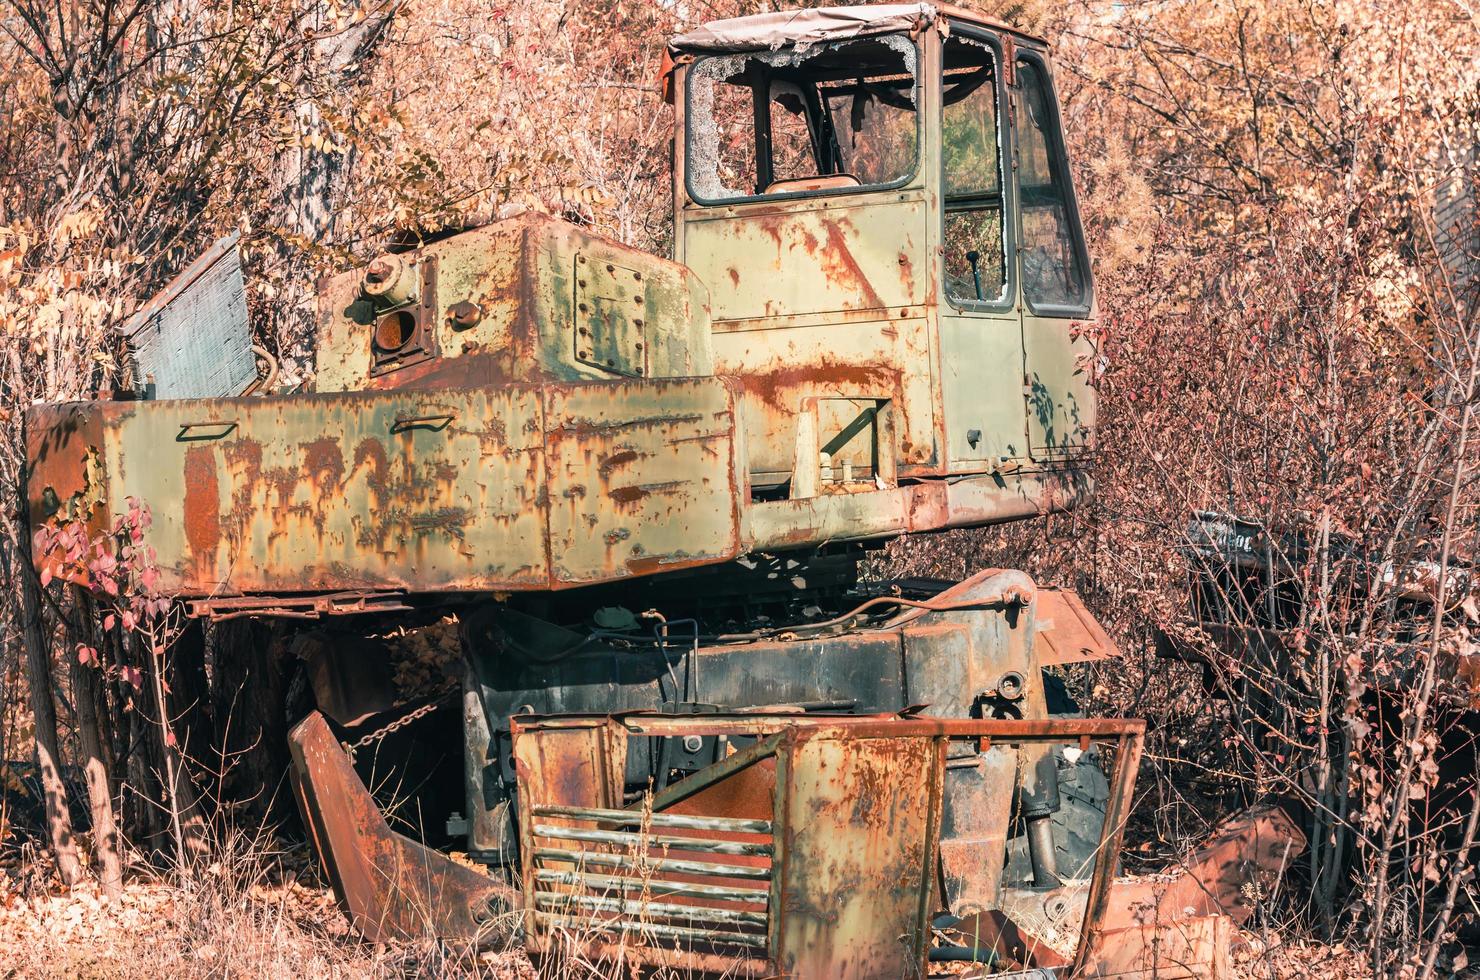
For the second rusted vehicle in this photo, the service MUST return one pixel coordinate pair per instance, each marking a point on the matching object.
(646, 485)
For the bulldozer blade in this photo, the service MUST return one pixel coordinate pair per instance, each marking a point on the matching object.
(390, 886)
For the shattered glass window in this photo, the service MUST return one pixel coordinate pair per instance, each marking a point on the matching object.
(1049, 253)
(838, 115)
(971, 154)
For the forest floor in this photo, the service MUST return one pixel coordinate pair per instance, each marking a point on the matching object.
(257, 917)
(270, 915)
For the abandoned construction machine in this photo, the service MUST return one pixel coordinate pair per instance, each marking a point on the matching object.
(692, 736)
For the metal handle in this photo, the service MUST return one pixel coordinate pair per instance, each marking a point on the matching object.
(226, 427)
(435, 423)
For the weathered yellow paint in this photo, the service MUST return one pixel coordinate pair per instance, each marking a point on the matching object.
(519, 487)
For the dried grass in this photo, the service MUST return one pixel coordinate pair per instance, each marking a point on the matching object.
(253, 910)
(260, 910)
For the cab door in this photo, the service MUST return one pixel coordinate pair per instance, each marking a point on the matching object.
(980, 326)
(1053, 269)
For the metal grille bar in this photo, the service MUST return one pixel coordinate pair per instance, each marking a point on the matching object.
(671, 865)
(653, 886)
(637, 839)
(580, 925)
(563, 901)
(630, 818)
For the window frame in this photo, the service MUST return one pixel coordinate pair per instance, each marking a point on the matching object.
(1054, 135)
(894, 185)
(1005, 149)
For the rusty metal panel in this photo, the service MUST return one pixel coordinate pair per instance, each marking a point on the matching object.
(417, 490)
(1014, 496)
(833, 517)
(850, 825)
(1191, 948)
(784, 364)
(574, 766)
(820, 299)
(674, 889)
(1062, 404)
(578, 767)
(525, 300)
(973, 835)
(983, 422)
(484, 267)
(1068, 632)
(673, 315)
(642, 478)
(1244, 859)
(860, 819)
(609, 327)
(774, 260)
(65, 478)
(941, 669)
(391, 887)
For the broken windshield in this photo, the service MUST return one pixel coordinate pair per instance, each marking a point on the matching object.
(829, 116)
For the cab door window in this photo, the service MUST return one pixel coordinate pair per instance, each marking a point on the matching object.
(1051, 249)
(832, 118)
(976, 244)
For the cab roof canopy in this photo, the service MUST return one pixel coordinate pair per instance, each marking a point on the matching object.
(803, 28)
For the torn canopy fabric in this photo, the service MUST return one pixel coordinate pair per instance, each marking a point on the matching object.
(804, 28)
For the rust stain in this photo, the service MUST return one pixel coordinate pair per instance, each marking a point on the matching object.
(324, 463)
(839, 264)
(772, 224)
(244, 460)
(202, 507)
(833, 256)
(653, 563)
(449, 519)
(611, 462)
(627, 495)
(444, 373)
(867, 380)
(631, 495)
(371, 452)
(56, 450)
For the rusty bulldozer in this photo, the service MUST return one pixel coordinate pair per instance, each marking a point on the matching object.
(691, 735)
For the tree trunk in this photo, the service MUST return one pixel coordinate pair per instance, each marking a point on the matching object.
(86, 683)
(48, 759)
(87, 689)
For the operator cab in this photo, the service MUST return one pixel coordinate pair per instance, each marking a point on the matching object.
(879, 202)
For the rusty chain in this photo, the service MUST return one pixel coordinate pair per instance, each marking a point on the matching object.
(400, 722)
